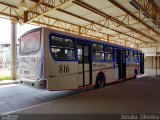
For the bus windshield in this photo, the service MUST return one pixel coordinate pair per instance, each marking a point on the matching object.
(30, 42)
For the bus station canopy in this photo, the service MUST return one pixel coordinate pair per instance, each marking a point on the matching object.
(133, 23)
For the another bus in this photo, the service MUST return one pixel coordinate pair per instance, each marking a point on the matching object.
(56, 60)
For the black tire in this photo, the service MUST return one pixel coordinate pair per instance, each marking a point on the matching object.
(100, 81)
(135, 73)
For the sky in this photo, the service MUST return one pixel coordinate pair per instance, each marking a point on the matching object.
(5, 30)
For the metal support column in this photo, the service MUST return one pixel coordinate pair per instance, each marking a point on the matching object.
(156, 61)
(13, 50)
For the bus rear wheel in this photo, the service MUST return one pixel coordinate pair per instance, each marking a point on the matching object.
(135, 73)
(100, 81)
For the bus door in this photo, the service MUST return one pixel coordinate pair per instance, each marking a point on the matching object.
(84, 64)
(121, 61)
(141, 62)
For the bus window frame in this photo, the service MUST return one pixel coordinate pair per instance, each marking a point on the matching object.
(91, 42)
(35, 51)
(134, 56)
(127, 61)
(113, 53)
(133, 61)
(93, 51)
(63, 36)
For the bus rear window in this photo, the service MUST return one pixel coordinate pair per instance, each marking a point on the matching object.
(30, 42)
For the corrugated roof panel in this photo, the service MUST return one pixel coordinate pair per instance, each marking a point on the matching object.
(157, 2)
(68, 18)
(122, 29)
(80, 11)
(113, 11)
(7, 10)
(77, 10)
(127, 5)
(11, 2)
(93, 17)
(17, 11)
(122, 1)
(152, 24)
(16, 2)
(138, 26)
(108, 31)
(127, 20)
(105, 6)
(99, 4)
(102, 5)
(66, 6)
(2, 7)
(156, 37)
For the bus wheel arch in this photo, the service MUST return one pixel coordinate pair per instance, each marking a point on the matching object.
(100, 80)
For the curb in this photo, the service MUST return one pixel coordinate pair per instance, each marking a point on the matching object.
(8, 82)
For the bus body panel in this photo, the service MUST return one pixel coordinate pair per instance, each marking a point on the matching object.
(61, 75)
(31, 69)
(28, 67)
(106, 68)
(130, 69)
(83, 79)
(87, 74)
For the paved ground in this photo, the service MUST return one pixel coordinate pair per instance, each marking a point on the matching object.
(17, 96)
(7, 82)
(135, 96)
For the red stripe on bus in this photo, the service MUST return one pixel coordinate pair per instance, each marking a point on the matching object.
(73, 88)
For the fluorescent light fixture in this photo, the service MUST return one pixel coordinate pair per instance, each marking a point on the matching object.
(22, 5)
(146, 15)
(135, 4)
(154, 22)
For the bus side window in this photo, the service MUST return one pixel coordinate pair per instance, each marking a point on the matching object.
(79, 53)
(127, 55)
(131, 55)
(62, 48)
(109, 53)
(86, 54)
(61, 55)
(98, 52)
(135, 56)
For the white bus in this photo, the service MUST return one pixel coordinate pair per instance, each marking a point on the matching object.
(55, 60)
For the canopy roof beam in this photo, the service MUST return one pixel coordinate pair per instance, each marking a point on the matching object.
(29, 15)
(99, 25)
(149, 7)
(120, 23)
(133, 16)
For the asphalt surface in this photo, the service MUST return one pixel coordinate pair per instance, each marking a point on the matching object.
(134, 96)
(18, 96)
(137, 98)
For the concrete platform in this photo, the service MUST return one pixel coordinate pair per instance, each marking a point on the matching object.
(18, 96)
(135, 96)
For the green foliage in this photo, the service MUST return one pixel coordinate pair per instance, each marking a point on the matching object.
(5, 77)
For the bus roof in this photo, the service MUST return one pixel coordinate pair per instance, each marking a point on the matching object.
(81, 37)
